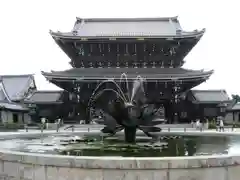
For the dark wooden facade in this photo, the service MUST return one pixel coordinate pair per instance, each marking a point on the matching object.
(208, 104)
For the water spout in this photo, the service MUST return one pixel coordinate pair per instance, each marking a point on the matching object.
(137, 84)
(124, 76)
(118, 89)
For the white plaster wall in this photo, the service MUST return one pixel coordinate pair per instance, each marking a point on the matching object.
(27, 118)
(236, 116)
(229, 117)
(7, 117)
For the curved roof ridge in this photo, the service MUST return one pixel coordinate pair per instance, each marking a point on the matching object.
(4, 91)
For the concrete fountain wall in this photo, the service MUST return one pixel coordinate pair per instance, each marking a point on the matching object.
(31, 166)
(27, 166)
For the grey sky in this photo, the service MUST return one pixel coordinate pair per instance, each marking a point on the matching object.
(27, 47)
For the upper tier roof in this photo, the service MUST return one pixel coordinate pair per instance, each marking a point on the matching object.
(127, 27)
(149, 73)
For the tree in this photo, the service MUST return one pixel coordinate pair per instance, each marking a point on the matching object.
(236, 97)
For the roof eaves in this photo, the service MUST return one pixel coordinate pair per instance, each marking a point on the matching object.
(73, 36)
(12, 106)
(205, 75)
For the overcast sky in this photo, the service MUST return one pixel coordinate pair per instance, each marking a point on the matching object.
(27, 47)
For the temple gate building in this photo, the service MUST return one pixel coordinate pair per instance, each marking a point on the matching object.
(154, 48)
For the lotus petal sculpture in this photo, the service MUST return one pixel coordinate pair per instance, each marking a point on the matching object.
(129, 110)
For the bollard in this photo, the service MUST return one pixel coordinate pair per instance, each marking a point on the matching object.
(88, 129)
(184, 129)
(26, 127)
(169, 129)
(72, 128)
(42, 128)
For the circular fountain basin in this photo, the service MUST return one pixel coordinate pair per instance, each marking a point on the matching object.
(34, 156)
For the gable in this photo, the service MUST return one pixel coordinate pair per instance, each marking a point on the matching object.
(17, 86)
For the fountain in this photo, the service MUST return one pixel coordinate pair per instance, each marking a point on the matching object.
(149, 154)
(129, 110)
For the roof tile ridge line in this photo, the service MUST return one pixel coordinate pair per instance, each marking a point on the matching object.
(5, 92)
(209, 90)
(30, 79)
(173, 18)
(48, 91)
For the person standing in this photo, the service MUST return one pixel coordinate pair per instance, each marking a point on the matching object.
(198, 124)
(221, 124)
(192, 124)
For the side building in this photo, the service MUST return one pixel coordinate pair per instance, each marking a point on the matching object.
(51, 105)
(206, 104)
(13, 90)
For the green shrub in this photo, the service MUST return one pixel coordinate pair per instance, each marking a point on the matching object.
(11, 126)
(212, 125)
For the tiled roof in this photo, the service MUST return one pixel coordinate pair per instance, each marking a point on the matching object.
(215, 96)
(128, 27)
(236, 107)
(45, 97)
(151, 73)
(15, 87)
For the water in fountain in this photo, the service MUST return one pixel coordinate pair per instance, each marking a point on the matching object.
(92, 145)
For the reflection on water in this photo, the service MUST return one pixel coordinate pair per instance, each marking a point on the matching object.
(96, 146)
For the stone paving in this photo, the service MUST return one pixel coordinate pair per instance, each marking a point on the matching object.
(96, 131)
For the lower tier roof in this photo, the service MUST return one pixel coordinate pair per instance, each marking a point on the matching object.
(115, 73)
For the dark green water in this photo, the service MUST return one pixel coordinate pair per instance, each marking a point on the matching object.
(167, 146)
